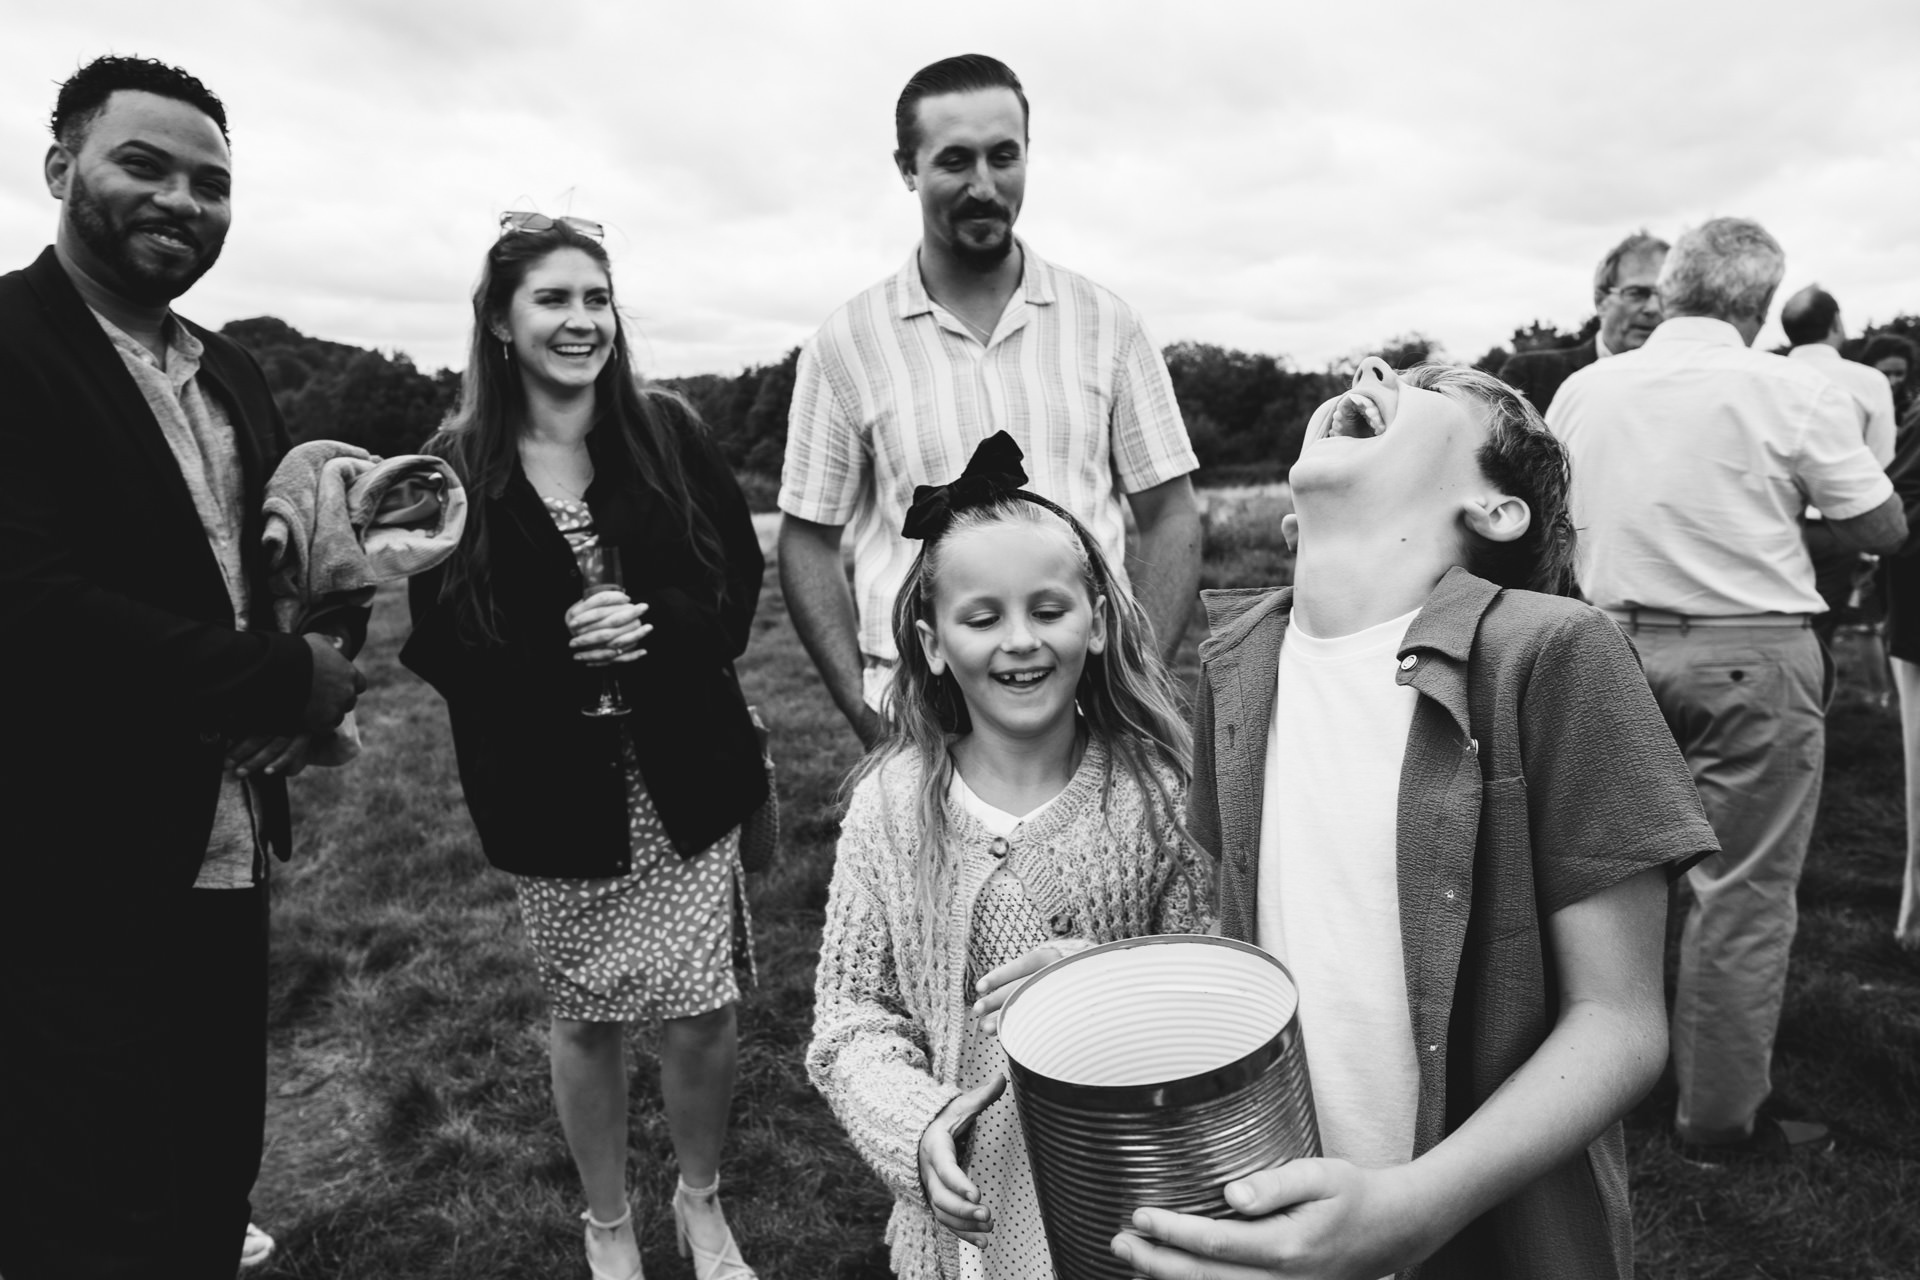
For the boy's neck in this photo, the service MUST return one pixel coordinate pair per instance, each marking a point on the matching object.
(1018, 775)
(1347, 579)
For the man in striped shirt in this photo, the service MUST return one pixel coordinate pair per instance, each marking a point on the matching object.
(975, 334)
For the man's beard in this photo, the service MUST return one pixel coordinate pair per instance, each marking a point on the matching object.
(981, 257)
(146, 283)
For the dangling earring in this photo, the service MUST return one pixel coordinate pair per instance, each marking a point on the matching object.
(506, 351)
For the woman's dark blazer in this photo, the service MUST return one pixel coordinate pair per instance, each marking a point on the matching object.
(543, 782)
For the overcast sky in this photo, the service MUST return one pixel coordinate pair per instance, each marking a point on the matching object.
(1300, 179)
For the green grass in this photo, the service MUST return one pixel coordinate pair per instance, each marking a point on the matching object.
(411, 1132)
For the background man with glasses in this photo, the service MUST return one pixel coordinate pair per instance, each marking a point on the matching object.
(1628, 302)
(152, 712)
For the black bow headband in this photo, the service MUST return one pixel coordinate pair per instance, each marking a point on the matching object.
(993, 473)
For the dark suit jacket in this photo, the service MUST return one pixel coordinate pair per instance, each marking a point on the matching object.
(1538, 374)
(125, 677)
(545, 784)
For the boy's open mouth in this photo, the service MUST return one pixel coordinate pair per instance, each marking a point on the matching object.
(1357, 418)
(1023, 679)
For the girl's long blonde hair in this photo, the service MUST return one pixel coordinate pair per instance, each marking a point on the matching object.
(1125, 696)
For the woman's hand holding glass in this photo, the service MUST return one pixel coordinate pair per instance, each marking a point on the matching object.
(607, 627)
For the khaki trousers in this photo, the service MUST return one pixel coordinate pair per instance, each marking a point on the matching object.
(1906, 678)
(1747, 706)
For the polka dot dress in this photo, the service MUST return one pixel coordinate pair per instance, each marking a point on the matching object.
(1005, 927)
(655, 943)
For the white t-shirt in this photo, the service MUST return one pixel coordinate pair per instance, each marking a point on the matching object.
(1327, 902)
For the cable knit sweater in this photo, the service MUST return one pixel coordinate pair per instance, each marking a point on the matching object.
(885, 1055)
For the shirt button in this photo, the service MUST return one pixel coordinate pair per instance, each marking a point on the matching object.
(1433, 1048)
(1449, 895)
(1407, 663)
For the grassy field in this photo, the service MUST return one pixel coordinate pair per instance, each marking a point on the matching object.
(411, 1132)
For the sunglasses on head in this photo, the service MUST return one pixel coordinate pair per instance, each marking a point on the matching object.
(516, 221)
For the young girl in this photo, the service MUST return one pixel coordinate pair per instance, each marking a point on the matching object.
(1024, 804)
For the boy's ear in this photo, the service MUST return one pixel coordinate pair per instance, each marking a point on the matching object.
(930, 645)
(1290, 530)
(1497, 517)
(1097, 639)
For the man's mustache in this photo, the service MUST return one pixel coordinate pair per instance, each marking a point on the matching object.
(981, 209)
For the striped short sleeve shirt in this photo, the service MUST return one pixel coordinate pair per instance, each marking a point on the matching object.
(894, 391)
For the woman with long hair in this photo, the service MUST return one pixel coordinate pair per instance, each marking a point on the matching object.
(622, 830)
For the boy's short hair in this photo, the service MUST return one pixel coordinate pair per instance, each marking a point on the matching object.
(1526, 461)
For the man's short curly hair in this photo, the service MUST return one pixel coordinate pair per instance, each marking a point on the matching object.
(85, 94)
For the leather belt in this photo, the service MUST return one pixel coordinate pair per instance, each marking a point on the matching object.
(1684, 621)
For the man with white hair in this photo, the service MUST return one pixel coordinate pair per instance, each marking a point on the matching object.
(1694, 458)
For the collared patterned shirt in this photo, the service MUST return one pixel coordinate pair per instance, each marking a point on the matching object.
(200, 437)
(895, 391)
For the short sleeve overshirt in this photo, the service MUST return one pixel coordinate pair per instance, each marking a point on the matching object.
(894, 391)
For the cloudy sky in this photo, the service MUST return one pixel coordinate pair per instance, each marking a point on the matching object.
(1306, 179)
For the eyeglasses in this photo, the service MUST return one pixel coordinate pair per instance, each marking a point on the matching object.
(1636, 295)
(516, 221)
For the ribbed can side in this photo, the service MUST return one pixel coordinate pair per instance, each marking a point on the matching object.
(1092, 1167)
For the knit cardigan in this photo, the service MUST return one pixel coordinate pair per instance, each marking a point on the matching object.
(885, 1053)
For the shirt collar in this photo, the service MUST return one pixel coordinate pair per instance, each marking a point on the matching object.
(183, 348)
(1815, 351)
(1036, 283)
(1600, 348)
(1708, 329)
(1451, 615)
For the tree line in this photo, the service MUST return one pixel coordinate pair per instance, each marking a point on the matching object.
(1245, 411)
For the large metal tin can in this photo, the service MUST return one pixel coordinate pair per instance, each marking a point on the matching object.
(1153, 1071)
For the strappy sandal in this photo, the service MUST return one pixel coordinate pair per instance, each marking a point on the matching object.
(725, 1263)
(597, 1260)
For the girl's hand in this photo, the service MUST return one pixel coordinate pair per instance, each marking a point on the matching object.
(998, 984)
(1321, 1218)
(954, 1199)
(606, 628)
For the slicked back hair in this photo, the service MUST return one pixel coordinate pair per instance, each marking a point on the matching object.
(1723, 268)
(1808, 316)
(1607, 274)
(84, 95)
(964, 73)
(1524, 460)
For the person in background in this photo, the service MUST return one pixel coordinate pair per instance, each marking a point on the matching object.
(622, 832)
(155, 714)
(1811, 319)
(1628, 305)
(1694, 459)
(1893, 355)
(974, 334)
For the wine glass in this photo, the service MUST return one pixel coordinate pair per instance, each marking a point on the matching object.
(600, 570)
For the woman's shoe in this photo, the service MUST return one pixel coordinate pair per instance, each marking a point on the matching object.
(724, 1263)
(612, 1251)
(255, 1247)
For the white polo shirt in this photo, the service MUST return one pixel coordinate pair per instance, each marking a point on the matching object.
(1693, 459)
(1872, 394)
(894, 391)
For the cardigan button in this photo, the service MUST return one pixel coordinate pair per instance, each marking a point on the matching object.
(999, 847)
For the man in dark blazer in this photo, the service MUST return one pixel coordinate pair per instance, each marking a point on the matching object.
(1628, 303)
(152, 714)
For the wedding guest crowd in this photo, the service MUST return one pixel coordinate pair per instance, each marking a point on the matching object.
(1449, 793)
